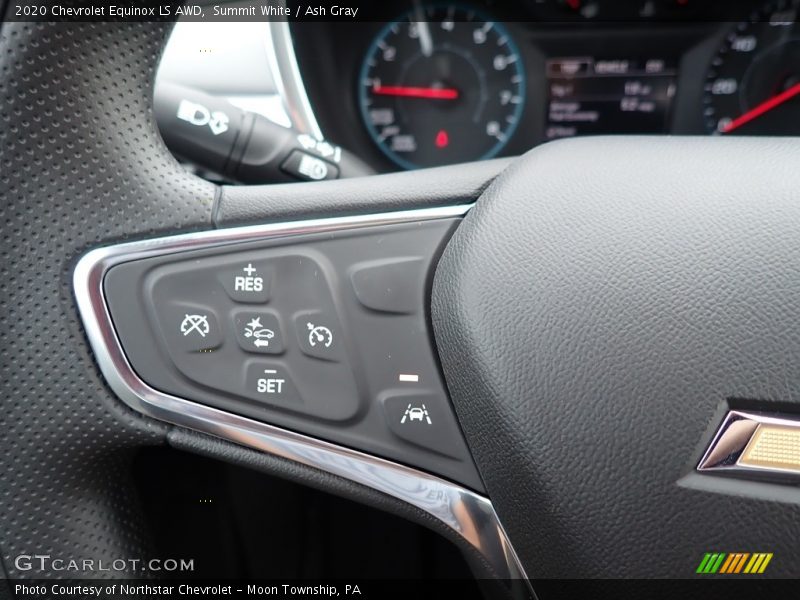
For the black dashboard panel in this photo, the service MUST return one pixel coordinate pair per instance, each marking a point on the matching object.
(589, 68)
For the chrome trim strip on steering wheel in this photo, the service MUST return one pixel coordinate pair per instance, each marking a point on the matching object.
(469, 514)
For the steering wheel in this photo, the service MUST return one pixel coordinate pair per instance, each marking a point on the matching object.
(599, 307)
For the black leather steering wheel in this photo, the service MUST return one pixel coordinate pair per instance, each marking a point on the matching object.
(597, 314)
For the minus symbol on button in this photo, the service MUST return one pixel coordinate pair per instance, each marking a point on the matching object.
(408, 377)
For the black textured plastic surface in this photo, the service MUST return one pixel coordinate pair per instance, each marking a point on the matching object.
(80, 164)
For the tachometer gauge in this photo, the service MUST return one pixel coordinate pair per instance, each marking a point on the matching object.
(441, 86)
(753, 84)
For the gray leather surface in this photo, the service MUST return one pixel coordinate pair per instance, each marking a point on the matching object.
(443, 186)
(594, 313)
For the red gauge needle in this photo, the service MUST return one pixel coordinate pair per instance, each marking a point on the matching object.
(416, 92)
(760, 109)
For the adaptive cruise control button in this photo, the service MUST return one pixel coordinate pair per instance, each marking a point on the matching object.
(247, 282)
(189, 327)
(271, 383)
(318, 335)
(423, 419)
(258, 331)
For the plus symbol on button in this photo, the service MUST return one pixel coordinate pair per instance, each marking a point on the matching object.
(249, 269)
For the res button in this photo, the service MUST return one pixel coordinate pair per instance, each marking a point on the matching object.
(248, 282)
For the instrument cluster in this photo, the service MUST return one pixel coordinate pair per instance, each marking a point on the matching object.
(449, 82)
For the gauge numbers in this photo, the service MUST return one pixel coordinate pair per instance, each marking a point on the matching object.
(441, 86)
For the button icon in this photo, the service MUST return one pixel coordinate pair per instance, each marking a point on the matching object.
(416, 413)
(300, 164)
(313, 168)
(424, 419)
(189, 326)
(258, 331)
(249, 283)
(195, 324)
(319, 335)
(260, 335)
(408, 378)
(199, 115)
(271, 383)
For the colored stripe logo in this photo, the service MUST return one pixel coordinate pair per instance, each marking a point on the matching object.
(734, 563)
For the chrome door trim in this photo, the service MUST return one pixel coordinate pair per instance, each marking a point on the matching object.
(466, 512)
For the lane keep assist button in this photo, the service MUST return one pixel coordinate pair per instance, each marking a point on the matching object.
(423, 419)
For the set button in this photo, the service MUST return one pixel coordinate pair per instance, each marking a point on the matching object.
(271, 383)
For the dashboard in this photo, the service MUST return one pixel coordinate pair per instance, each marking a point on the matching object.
(448, 82)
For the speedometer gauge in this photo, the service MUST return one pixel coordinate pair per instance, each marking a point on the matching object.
(441, 86)
(753, 85)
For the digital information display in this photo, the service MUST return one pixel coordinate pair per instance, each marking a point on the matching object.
(588, 96)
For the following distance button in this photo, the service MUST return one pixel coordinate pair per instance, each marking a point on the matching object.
(258, 331)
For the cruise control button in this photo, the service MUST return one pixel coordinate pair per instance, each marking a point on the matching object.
(271, 383)
(248, 282)
(190, 327)
(318, 335)
(422, 419)
(391, 285)
(258, 331)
